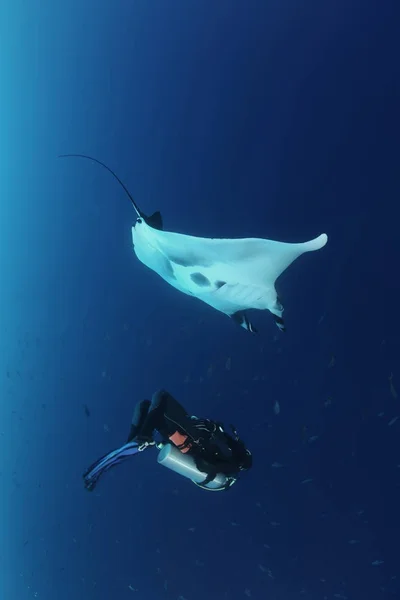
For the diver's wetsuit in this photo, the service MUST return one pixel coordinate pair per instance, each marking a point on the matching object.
(213, 449)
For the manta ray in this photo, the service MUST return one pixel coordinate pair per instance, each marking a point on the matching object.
(231, 275)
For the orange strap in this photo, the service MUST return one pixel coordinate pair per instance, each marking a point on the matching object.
(178, 439)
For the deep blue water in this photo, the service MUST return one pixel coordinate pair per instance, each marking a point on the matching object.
(273, 119)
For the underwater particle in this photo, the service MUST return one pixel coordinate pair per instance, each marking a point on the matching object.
(392, 421)
(307, 480)
(274, 523)
(277, 407)
(352, 542)
(228, 363)
(332, 362)
(392, 388)
(106, 428)
(209, 372)
(192, 529)
(328, 402)
(276, 465)
(86, 409)
(130, 587)
(376, 563)
(247, 592)
(187, 379)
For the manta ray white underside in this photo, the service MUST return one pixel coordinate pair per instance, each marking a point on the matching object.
(230, 275)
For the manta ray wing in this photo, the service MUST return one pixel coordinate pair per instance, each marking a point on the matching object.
(231, 275)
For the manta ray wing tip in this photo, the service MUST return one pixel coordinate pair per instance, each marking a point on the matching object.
(317, 243)
(324, 239)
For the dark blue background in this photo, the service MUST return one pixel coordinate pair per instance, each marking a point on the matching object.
(270, 119)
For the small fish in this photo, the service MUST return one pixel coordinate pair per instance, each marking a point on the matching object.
(276, 465)
(228, 363)
(376, 563)
(312, 439)
(132, 588)
(392, 388)
(277, 408)
(86, 409)
(198, 563)
(307, 480)
(392, 421)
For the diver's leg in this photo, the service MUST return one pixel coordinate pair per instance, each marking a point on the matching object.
(173, 410)
(163, 408)
(138, 418)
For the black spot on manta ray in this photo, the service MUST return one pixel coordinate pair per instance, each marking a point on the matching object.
(200, 279)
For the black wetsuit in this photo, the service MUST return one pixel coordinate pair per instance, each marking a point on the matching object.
(213, 449)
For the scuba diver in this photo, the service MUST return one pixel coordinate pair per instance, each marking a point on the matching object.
(199, 449)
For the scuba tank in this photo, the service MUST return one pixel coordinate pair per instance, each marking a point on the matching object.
(184, 464)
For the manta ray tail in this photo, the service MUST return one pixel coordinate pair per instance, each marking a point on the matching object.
(242, 320)
(155, 220)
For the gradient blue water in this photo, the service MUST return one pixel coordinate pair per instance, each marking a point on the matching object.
(269, 119)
